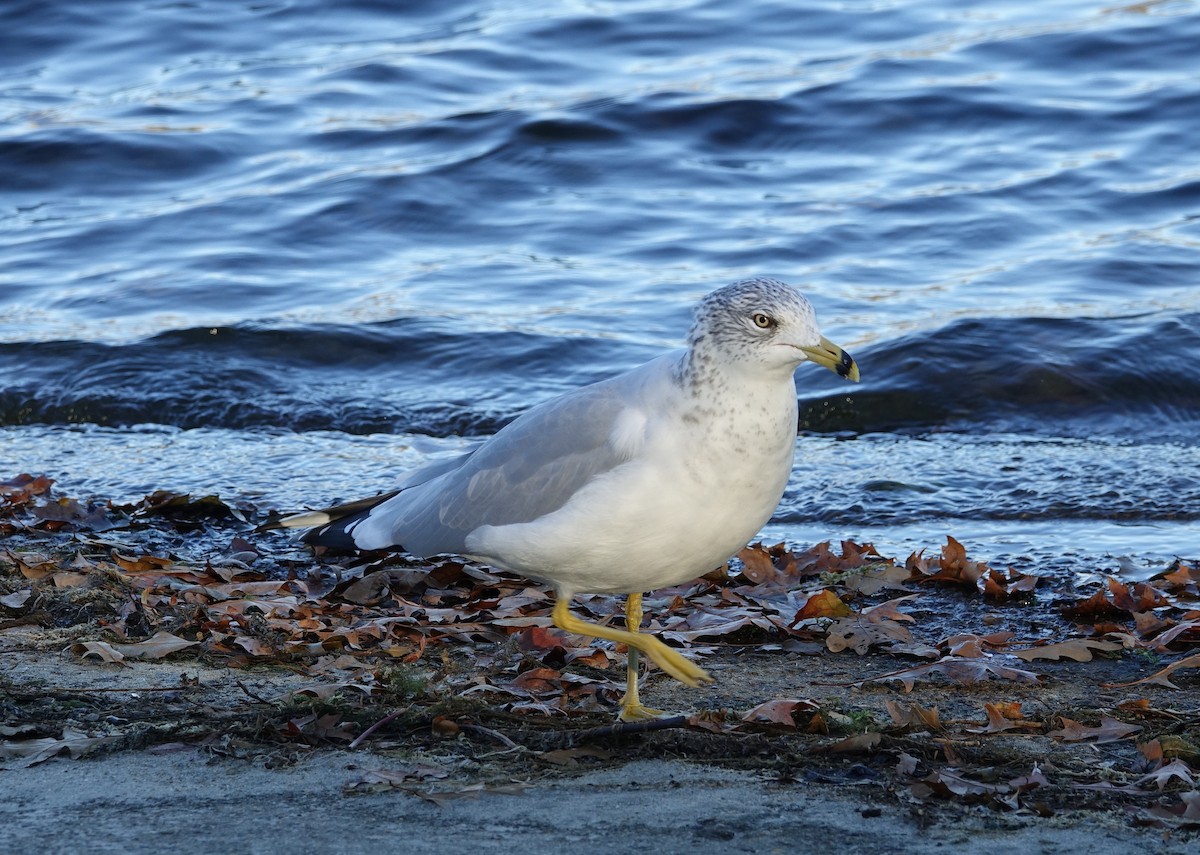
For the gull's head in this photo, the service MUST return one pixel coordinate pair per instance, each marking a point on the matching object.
(764, 323)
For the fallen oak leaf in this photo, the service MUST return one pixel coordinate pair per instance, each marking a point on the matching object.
(757, 566)
(907, 765)
(382, 780)
(971, 646)
(947, 783)
(890, 610)
(441, 798)
(780, 711)
(1185, 815)
(370, 590)
(1140, 598)
(862, 743)
(1079, 649)
(538, 680)
(572, 756)
(255, 646)
(32, 565)
(859, 632)
(161, 644)
(1109, 730)
(22, 488)
(182, 504)
(953, 566)
(1147, 624)
(709, 720)
(248, 588)
(915, 715)
(705, 624)
(1190, 628)
(542, 638)
(1182, 577)
(68, 579)
(1161, 777)
(1034, 779)
(877, 578)
(1093, 610)
(824, 603)
(71, 512)
(1161, 677)
(143, 563)
(965, 671)
(1002, 717)
(820, 558)
(102, 650)
(34, 751)
(17, 598)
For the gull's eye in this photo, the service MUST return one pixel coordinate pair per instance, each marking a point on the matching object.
(763, 322)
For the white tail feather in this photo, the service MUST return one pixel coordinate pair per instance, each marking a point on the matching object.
(308, 519)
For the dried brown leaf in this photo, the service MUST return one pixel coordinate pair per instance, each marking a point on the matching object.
(824, 603)
(964, 671)
(1092, 610)
(33, 751)
(890, 610)
(1161, 677)
(862, 743)
(780, 711)
(142, 563)
(907, 764)
(572, 756)
(1175, 770)
(757, 566)
(22, 488)
(1034, 779)
(859, 633)
(1109, 730)
(157, 646)
(17, 598)
(1187, 632)
(32, 565)
(1002, 717)
(971, 646)
(403, 778)
(948, 783)
(1079, 649)
(870, 582)
(100, 649)
(1184, 815)
(914, 716)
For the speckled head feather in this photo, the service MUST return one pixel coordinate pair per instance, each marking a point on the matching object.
(742, 322)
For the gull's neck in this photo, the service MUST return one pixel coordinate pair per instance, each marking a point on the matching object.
(702, 367)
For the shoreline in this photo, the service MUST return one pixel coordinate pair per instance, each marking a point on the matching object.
(869, 692)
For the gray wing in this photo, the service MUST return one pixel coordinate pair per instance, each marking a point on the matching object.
(432, 470)
(529, 469)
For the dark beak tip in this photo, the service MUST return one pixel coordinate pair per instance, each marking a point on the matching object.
(846, 366)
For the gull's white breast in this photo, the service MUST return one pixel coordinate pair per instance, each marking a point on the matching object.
(698, 484)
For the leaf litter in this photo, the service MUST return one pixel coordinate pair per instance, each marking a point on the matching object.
(1022, 667)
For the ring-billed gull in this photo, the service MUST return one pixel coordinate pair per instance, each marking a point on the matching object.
(642, 481)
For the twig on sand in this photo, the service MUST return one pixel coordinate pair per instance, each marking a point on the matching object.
(623, 728)
(494, 734)
(387, 719)
(254, 697)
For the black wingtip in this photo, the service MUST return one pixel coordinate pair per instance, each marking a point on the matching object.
(333, 536)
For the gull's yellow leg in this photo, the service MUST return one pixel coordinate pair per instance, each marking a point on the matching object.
(631, 705)
(671, 661)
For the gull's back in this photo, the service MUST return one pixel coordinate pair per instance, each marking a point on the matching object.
(529, 469)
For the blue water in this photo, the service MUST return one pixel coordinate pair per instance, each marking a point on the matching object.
(285, 250)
